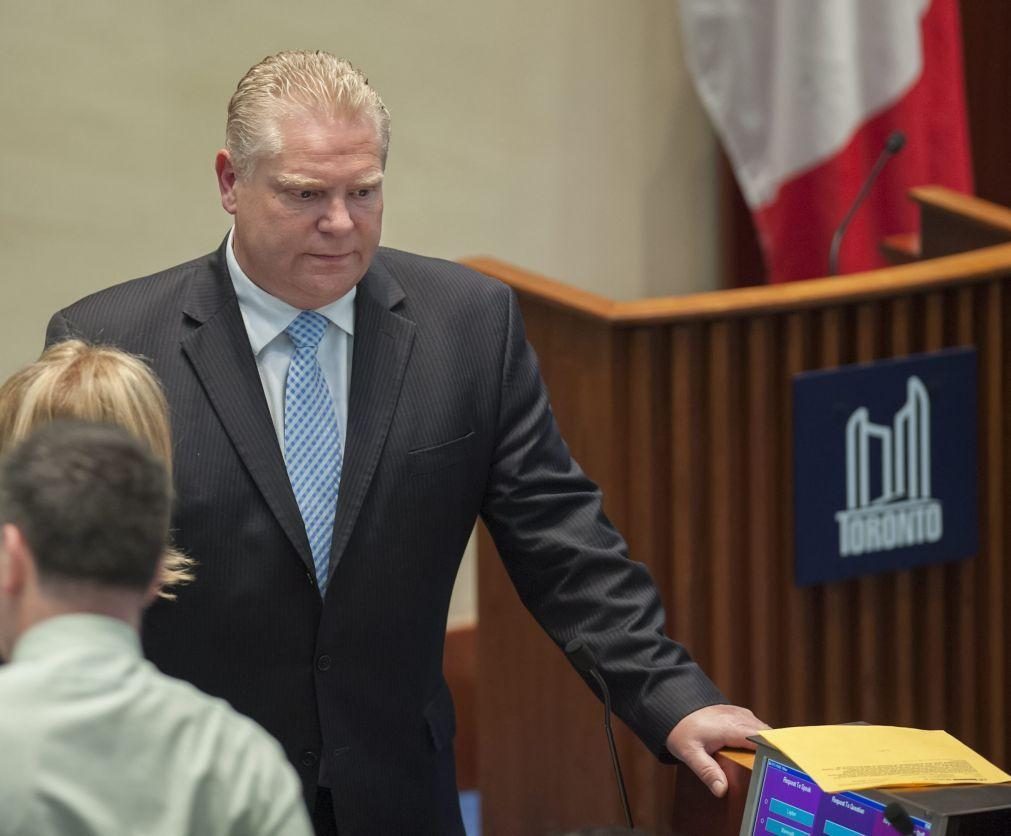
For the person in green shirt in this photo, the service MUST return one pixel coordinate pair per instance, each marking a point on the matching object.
(93, 739)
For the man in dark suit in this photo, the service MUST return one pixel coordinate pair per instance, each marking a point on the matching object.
(300, 355)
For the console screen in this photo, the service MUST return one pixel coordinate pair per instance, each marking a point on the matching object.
(791, 804)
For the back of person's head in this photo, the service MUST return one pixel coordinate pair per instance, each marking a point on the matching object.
(78, 380)
(91, 502)
(296, 84)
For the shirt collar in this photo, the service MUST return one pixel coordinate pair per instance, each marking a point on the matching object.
(86, 631)
(267, 316)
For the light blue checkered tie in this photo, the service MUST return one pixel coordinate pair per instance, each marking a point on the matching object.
(312, 451)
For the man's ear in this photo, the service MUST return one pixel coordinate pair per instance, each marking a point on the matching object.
(227, 178)
(16, 562)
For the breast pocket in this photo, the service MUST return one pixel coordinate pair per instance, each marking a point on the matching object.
(439, 456)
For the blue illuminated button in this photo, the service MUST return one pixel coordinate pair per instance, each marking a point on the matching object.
(788, 811)
(833, 829)
(777, 828)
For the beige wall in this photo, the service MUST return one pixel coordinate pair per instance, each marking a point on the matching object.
(561, 135)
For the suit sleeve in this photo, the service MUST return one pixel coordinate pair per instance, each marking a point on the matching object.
(570, 565)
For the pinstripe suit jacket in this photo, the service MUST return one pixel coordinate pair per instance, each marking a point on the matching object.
(448, 419)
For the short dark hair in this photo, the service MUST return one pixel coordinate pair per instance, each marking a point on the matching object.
(91, 502)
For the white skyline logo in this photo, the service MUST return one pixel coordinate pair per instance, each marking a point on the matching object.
(903, 513)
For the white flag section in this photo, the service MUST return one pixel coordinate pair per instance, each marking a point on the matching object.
(788, 82)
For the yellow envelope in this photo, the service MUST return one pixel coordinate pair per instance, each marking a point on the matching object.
(856, 757)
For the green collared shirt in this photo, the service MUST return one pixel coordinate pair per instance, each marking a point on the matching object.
(95, 740)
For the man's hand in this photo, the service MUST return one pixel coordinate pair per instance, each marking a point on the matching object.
(703, 732)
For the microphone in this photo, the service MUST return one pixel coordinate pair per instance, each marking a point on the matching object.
(893, 145)
(897, 817)
(582, 659)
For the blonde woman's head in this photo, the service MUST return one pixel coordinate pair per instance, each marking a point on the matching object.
(77, 380)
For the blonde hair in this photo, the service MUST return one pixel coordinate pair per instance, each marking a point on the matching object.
(76, 380)
(291, 84)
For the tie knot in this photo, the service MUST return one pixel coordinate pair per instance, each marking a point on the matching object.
(307, 329)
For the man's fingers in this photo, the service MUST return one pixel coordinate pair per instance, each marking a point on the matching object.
(708, 730)
(738, 734)
(709, 772)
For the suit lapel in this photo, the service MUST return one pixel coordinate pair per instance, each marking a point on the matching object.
(383, 342)
(218, 349)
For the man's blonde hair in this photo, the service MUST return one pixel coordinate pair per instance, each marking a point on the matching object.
(292, 84)
(76, 380)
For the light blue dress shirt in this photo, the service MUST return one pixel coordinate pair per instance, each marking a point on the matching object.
(266, 317)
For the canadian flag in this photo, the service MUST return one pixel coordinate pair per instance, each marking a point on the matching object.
(804, 95)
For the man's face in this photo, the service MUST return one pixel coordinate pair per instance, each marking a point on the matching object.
(308, 219)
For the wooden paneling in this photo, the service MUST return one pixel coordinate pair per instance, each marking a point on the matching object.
(995, 502)
(986, 32)
(953, 223)
(796, 608)
(697, 813)
(459, 666)
(762, 536)
(682, 410)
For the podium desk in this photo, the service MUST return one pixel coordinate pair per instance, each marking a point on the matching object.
(680, 408)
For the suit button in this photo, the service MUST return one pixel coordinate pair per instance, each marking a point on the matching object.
(309, 758)
(323, 663)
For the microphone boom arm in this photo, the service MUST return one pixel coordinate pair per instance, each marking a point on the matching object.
(610, 743)
(893, 145)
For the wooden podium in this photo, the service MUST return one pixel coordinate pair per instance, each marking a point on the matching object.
(680, 408)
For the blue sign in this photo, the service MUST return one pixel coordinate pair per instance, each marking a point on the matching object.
(885, 464)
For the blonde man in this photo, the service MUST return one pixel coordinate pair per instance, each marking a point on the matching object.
(95, 741)
(343, 413)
